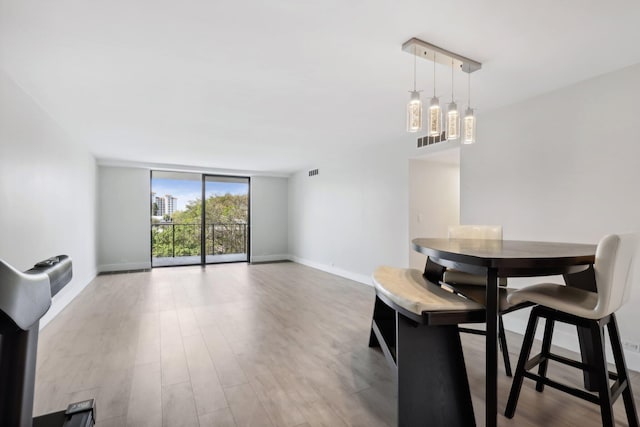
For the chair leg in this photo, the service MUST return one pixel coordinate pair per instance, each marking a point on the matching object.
(623, 374)
(503, 345)
(546, 348)
(516, 385)
(601, 371)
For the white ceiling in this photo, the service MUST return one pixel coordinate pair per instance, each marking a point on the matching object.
(278, 85)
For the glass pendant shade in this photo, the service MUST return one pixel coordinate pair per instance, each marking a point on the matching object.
(414, 112)
(435, 117)
(469, 136)
(445, 122)
(453, 121)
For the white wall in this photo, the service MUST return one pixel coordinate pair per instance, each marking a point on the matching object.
(434, 202)
(269, 218)
(123, 218)
(48, 192)
(353, 215)
(561, 167)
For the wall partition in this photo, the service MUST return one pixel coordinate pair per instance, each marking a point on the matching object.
(198, 219)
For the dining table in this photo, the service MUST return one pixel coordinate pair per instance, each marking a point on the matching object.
(496, 259)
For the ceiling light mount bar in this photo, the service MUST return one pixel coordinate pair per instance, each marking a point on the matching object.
(437, 54)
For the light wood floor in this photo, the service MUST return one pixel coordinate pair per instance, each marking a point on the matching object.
(247, 345)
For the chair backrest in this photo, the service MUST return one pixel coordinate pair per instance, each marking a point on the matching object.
(493, 232)
(615, 259)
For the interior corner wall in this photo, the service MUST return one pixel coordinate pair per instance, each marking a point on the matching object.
(269, 219)
(353, 215)
(48, 193)
(434, 202)
(561, 167)
(124, 220)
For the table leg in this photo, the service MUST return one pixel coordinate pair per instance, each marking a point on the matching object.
(491, 389)
(433, 388)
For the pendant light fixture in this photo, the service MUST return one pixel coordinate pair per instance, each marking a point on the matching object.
(435, 54)
(469, 136)
(414, 107)
(435, 113)
(453, 117)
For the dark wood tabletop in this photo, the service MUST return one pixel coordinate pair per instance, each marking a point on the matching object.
(509, 257)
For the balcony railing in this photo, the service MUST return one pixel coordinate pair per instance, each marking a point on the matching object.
(179, 240)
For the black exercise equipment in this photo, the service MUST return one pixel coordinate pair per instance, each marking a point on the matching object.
(24, 298)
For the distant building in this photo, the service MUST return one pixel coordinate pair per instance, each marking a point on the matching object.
(159, 206)
(170, 204)
(165, 205)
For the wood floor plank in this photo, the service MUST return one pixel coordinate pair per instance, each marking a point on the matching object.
(148, 345)
(247, 410)
(112, 422)
(227, 367)
(172, 356)
(178, 406)
(320, 414)
(207, 390)
(188, 322)
(145, 398)
(280, 408)
(219, 418)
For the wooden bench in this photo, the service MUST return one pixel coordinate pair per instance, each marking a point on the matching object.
(415, 323)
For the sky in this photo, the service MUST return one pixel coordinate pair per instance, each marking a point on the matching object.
(188, 190)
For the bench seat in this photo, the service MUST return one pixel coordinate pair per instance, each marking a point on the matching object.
(415, 323)
(409, 292)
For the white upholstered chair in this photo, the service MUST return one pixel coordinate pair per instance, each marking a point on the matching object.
(614, 266)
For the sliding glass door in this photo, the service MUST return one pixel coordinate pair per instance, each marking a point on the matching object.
(226, 218)
(178, 236)
(176, 226)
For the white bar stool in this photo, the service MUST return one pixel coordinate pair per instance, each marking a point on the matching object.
(613, 267)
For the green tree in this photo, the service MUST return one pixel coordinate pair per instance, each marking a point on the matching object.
(226, 218)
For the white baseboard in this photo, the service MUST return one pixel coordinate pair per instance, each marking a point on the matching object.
(518, 323)
(270, 258)
(361, 278)
(106, 268)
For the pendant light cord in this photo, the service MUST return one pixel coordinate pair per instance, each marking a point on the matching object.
(414, 68)
(452, 79)
(469, 93)
(434, 74)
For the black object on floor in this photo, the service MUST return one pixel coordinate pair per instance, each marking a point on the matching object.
(24, 298)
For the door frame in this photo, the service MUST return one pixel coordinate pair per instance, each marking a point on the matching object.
(203, 255)
(203, 240)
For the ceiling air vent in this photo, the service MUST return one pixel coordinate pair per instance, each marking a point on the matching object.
(313, 172)
(429, 140)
